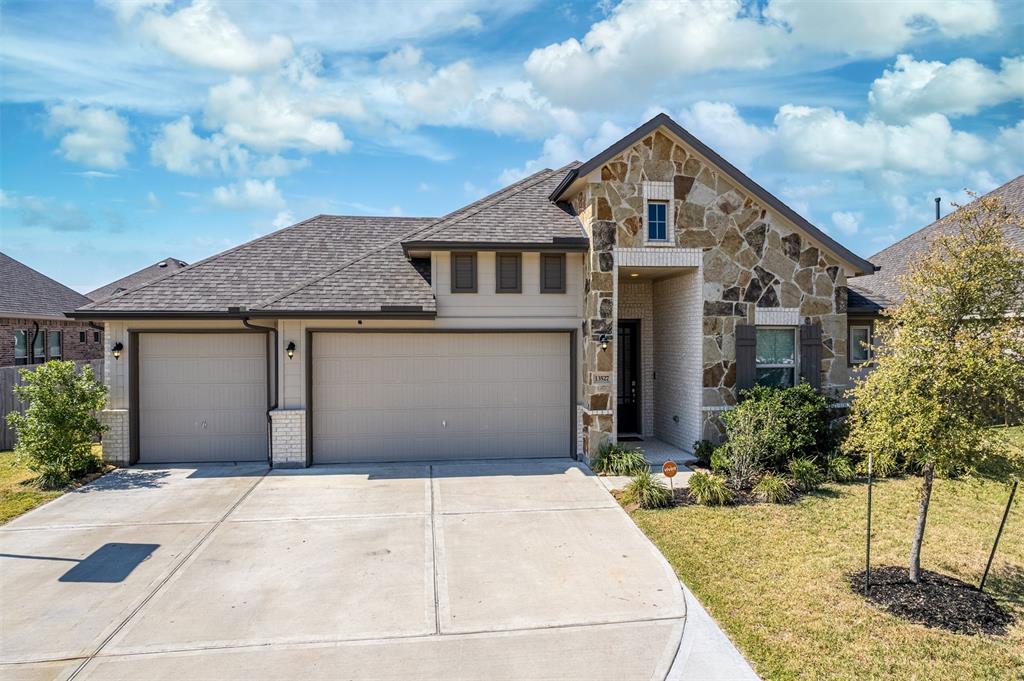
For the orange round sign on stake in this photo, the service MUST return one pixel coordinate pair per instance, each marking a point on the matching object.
(669, 469)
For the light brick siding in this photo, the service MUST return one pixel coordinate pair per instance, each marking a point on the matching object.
(635, 303)
(116, 443)
(72, 347)
(288, 444)
(677, 359)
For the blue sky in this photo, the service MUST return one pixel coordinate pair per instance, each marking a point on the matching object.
(137, 130)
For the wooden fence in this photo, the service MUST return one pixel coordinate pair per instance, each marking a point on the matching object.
(10, 377)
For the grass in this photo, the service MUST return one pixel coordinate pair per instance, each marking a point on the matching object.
(19, 491)
(775, 577)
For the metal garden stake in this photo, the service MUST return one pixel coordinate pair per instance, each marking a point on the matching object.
(1002, 524)
(867, 557)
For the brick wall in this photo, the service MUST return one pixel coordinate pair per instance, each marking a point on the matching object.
(116, 448)
(72, 345)
(678, 357)
(288, 437)
(635, 303)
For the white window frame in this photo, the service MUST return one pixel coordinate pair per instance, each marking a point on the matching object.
(868, 349)
(795, 366)
(660, 192)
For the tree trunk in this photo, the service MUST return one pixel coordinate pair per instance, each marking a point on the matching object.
(922, 518)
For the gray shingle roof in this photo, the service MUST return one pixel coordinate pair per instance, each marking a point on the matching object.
(27, 293)
(134, 279)
(877, 291)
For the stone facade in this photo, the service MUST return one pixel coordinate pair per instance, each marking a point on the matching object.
(751, 258)
(72, 344)
(288, 433)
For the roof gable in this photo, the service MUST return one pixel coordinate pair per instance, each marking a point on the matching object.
(763, 195)
(24, 292)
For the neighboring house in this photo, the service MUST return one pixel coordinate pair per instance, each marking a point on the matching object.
(870, 295)
(33, 325)
(144, 275)
(631, 295)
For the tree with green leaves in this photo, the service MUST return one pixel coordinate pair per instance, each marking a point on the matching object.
(55, 433)
(952, 348)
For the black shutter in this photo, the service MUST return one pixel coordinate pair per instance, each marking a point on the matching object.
(463, 272)
(746, 356)
(508, 276)
(810, 354)
(552, 273)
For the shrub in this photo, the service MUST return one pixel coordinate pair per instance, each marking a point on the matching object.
(883, 465)
(711, 489)
(703, 449)
(647, 491)
(616, 459)
(774, 488)
(805, 474)
(720, 462)
(770, 426)
(56, 431)
(839, 468)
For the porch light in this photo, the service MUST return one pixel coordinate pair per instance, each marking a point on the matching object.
(116, 350)
(604, 338)
(634, 274)
(290, 349)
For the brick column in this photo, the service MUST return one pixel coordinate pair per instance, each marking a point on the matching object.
(288, 438)
(116, 445)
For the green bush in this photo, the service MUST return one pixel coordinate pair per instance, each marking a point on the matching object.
(771, 426)
(883, 465)
(703, 449)
(55, 433)
(617, 459)
(647, 491)
(774, 488)
(805, 473)
(711, 489)
(839, 468)
(720, 462)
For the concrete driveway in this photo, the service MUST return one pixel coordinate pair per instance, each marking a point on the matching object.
(498, 570)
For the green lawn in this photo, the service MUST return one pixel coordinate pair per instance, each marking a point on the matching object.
(774, 578)
(19, 492)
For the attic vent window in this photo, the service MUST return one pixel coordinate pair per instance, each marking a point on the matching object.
(463, 272)
(163, 264)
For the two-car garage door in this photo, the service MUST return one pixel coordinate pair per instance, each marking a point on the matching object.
(419, 396)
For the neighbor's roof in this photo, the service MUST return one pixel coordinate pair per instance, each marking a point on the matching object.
(141, 277)
(748, 184)
(875, 292)
(518, 215)
(27, 293)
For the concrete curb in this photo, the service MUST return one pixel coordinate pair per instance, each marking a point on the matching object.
(705, 652)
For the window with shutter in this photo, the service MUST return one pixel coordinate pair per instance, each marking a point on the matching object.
(463, 272)
(552, 273)
(776, 356)
(508, 273)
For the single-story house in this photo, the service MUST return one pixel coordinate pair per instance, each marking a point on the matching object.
(34, 327)
(628, 296)
(157, 269)
(870, 295)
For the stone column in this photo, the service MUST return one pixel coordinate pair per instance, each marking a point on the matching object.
(599, 321)
(116, 439)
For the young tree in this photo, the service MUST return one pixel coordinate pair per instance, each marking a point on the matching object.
(952, 348)
(55, 433)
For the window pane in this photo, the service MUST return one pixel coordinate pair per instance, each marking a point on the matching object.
(54, 337)
(776, 378)
(20, 345)
(96, 336)
(858, 336)
(776, 346)
(81, 336)
(38, 352)
(657, 222)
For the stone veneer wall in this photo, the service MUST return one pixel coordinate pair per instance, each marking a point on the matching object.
(751, 258)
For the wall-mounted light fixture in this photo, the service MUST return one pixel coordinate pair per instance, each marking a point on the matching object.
(290, 349)
(604, 338)
(116, 350)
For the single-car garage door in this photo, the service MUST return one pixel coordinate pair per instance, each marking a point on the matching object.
(418, 396)
(202, 397)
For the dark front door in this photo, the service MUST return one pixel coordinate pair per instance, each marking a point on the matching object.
(629, 376)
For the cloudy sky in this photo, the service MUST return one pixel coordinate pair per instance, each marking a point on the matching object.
(137, 130)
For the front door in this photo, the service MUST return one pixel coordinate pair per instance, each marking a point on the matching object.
(629, 377)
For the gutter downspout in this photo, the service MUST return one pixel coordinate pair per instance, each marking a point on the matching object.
(30, 354)
(277, 387)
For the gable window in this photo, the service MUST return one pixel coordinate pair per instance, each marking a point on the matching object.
(21, 347)
(38, 349)
(509, 273)
(552, 272)
(463, 272)
(55, 344)
(81, 336)
(860, 343)
(657, 220)
(776, 356)
(95, 336)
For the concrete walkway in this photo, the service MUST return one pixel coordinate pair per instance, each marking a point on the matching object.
(657, 452)
(496, 570)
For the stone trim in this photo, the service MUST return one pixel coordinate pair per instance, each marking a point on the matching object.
(777, 316)
(597, 412)
(659, 257)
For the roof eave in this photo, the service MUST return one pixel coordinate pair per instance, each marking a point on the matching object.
(556, 245)
(396, 312)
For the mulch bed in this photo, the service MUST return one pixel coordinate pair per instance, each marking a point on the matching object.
(938, 601)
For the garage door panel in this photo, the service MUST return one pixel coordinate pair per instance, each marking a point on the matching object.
(440, 396)
(202, 397)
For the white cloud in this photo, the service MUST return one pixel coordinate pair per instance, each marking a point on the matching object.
(283, 219)
(721, 127)
(847, 223)
(152, 201)
(95, 136)
(46, 212)
(962, 87)
(203, 34)
(179, 149)
(563, 148)
(249, 194)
